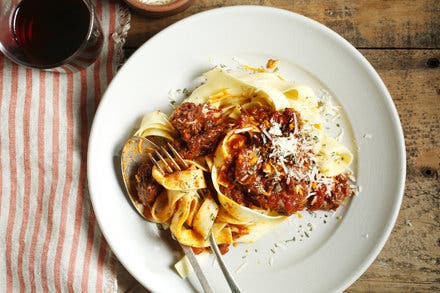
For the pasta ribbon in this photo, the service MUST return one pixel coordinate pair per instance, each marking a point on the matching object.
(181, 225)
(191, 178)
(156, 123)
(205, 218)
(333, 157)
(302, 99)
(257, 221)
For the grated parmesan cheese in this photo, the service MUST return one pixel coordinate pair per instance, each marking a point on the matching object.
(292, 152)
(275, 129)
(287, 146)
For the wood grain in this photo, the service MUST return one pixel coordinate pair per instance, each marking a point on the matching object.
(365, 24)
(401, 39)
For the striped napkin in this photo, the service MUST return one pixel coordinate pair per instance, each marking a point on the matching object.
(49, 239)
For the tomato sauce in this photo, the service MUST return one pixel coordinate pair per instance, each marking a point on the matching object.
(254, 179)
(147, 189)
(199, 129)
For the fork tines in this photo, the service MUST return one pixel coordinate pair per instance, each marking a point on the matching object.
(168, 163)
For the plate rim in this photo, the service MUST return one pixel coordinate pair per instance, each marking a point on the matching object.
(396, 125)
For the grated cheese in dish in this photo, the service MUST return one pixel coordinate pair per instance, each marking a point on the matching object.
(261, 142)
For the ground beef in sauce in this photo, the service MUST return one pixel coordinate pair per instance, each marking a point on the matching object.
(199, 129)
(147, 189)
(250, 173)
(340, 191)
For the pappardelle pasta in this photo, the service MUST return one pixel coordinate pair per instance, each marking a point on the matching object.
(257, 153)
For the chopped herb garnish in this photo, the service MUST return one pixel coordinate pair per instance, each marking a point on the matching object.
(186, 92)
(307, 234)
(273, 250)
(288, 240)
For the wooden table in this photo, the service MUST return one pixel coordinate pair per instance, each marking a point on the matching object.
(401, 39)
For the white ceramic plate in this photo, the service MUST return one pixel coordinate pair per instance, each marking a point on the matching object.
(336, 253)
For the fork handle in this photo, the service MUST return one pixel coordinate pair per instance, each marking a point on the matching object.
(197, 269)
(231, 282)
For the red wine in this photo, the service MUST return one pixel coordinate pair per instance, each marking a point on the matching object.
(50, 31)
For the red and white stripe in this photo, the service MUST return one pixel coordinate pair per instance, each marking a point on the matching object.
(50, 241)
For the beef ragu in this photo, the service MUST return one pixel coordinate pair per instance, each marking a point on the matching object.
(257, 152)
(147, 189)
(199, 129)
(260, 180)
(254, 176)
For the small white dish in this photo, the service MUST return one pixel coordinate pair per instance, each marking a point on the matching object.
(336, 253)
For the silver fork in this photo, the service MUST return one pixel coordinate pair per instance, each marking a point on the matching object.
(177, 164)
(133, 153)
